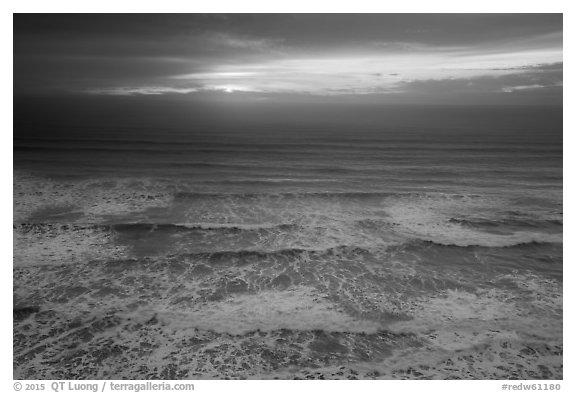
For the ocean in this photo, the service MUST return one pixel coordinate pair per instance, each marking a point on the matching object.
(427, 246)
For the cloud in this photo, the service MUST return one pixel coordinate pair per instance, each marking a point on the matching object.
(530, 78)
(255, 44)
(167, 90)
(559, 66)
(352, 73)
(348, 77)
(511, 89)
(140, 90)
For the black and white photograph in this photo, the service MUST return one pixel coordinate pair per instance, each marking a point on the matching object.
(306, 196)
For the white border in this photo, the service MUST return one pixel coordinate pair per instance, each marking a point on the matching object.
(356, 6)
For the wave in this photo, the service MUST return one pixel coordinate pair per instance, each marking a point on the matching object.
(486, 223)
(155, 227)
(350, 251)
(187, 227)
(235, 255)
(262, 240)
(422, 245)
(322, 195)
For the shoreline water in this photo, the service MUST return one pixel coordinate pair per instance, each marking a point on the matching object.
(114, 295)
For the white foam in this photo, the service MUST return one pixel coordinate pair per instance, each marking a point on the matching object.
(428, 219)
(460, 319)
(297, 309)
(63, 247)
(120, 196)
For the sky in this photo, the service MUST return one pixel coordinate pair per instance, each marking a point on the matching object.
(77, 64)
(371, 57)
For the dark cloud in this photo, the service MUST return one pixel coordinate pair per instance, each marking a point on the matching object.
(437, 29)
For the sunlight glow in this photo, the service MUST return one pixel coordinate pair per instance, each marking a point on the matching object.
(368, 74)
